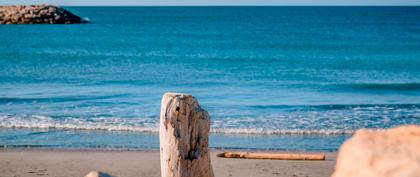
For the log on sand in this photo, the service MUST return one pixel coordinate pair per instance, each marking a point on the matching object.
(184, 130)
(273, 156)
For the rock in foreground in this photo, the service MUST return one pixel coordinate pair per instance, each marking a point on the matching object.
(390, 153)
(97, 174)
(37, 14)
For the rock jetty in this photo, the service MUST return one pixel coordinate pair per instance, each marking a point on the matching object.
(386, 153)
(37, 14)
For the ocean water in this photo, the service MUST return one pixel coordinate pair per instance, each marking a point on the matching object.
(301, 78)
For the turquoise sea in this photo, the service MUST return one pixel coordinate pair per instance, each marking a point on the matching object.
(286, 78)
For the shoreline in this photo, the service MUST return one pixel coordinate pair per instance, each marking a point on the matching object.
(69, 139)
(130, 163)
(213, 150)
(118, 149)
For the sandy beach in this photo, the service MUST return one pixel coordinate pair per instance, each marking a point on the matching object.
(72, 163)
(126, 88)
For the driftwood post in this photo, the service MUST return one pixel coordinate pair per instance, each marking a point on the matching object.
(184, 130)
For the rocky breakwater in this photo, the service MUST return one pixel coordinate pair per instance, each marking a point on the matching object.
(37, 14)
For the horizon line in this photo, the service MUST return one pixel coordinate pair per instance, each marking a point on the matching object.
(226, 5)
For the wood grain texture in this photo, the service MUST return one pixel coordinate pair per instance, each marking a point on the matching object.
(272, 156)
(184, 130)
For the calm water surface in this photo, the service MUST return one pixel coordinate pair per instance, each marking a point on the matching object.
(271, 77)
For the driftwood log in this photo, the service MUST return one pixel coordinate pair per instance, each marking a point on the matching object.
(184, 130)
(273, 156)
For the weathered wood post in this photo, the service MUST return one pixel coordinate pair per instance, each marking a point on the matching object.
(184, 130)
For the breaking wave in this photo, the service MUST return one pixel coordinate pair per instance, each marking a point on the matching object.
(331, 122)
(145, 125)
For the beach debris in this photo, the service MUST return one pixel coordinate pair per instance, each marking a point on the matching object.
(184, 130)
(97, 174)
(271, 156)
(381, 153)
(37, 14)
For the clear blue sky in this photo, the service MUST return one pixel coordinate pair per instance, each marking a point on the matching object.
(213, 2)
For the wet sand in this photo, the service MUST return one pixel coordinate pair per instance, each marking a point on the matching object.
(73, 163)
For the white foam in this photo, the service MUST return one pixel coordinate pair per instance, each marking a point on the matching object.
(262, 131)
(101, 123)
(149, 125)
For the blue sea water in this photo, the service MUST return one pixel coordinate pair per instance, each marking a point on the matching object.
(301, 78)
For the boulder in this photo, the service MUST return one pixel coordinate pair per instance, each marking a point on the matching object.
(381, 153)
(37, 14)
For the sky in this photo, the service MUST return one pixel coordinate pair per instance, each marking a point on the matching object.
(209, 2)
